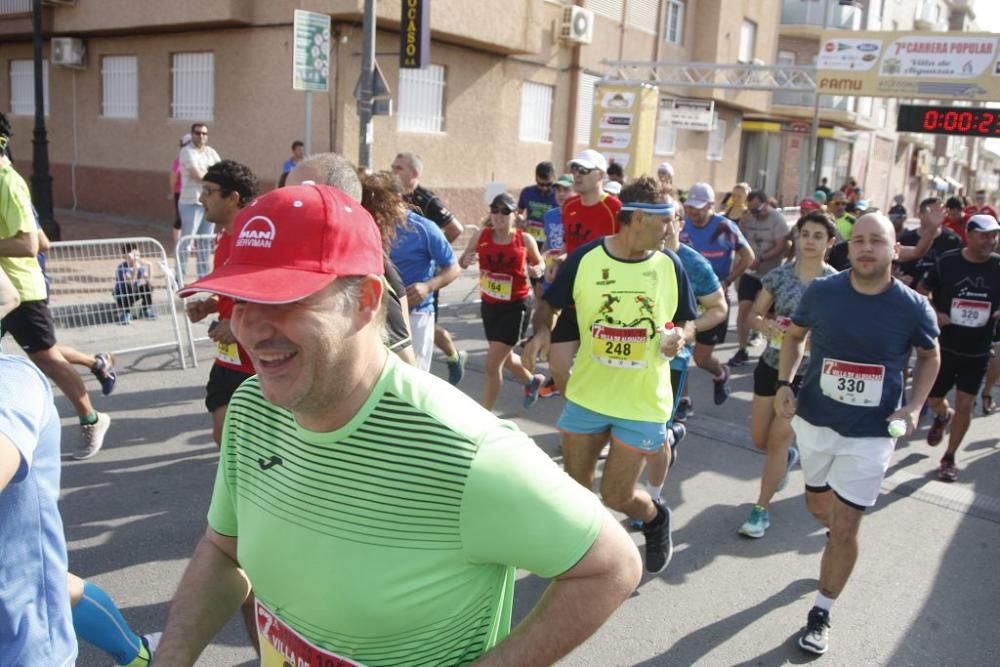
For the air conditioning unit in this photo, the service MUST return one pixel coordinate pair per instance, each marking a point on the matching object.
(577, 25)
(69, 52)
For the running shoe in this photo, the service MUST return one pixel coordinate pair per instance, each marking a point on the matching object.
(816, 637)
(104, 370)
(721, 387)
(456, 369)
(146, 650)
(738, 359)
(659, 541)
(548, 389)
(936, 432)
(755, 337)
(92, 436)
(148, 313)
(989, 406)
(756, 524)
(793, 458)
(125, 318)
(531, 390)
(685, 408)
(635, 524)
(948, 472)
(678, 431)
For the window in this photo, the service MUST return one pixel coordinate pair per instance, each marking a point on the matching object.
(536, 112)
(609, 8)
(22, 87)
(585, 107)
(717, 141)
(786, 58)
(193, 86)
(641, 14)
(119, 87)
(748, 39)
(673, 29)
(421, 99)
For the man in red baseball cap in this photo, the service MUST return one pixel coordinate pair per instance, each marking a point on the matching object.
(378, 512)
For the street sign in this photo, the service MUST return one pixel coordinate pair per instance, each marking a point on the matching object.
(380, 87)
(692, 114)
(311, 51)
(928, 65)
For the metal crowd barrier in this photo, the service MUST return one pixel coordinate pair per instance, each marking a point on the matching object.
(204, 243)
(82, 277)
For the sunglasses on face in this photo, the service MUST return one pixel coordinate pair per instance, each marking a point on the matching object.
(501, 210)
(577, 169)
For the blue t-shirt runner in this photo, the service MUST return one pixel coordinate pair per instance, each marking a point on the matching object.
(716, 242)
(535, 203)
(420, 249)
(854, 379)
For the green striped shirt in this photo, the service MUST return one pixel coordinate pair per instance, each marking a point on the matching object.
(393, 540)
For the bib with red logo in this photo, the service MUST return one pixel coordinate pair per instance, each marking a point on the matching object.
(281, 646)
(852, 383)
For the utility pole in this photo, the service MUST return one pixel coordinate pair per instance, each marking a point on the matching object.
(366, 87)
(41, 178)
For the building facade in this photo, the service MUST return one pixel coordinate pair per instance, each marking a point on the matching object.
(504, 91)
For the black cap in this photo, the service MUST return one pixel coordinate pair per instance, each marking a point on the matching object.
(504, 199)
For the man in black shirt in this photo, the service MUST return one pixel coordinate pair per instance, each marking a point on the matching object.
(407, 167)
(964, 286)
(911, 271)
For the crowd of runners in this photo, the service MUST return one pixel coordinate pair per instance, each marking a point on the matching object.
(332, 433)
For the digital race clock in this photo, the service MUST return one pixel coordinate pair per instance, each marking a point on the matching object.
(964, 121)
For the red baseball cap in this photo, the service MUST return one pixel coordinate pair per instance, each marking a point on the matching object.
(809, 205)
(293, 242)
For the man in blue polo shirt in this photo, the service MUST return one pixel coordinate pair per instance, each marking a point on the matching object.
(719, 240)
(426, 264)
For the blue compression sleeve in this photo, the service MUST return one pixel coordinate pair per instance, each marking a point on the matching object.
(97, 620)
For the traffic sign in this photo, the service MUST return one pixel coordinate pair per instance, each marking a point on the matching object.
(311, 51)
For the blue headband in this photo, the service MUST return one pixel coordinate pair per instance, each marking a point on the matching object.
(651, 209)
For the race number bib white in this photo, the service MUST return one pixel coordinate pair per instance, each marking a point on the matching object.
(852, 383)
(536, 229)
(280, 646)
(497, 285)
(620, 347)
(228, 353)
(969, 313)
(778, 338)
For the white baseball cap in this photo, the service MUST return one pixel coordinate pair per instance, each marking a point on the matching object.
(700, 196)
(982, 223)
(666, 167)
(613, 187)
(590, 159)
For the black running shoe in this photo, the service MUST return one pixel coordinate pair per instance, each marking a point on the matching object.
(721, 387)
(738, 359)
(816, 637)
(659, 541)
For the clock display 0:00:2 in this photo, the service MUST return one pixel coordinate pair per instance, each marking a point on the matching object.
(965, 122)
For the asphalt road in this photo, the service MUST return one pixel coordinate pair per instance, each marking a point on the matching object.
(924, 591)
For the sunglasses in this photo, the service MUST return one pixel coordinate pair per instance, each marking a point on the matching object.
(583, 171)
(501, 210)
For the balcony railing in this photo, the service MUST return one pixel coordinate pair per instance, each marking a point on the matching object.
(810, 12)
(9, 7)
(826, 102)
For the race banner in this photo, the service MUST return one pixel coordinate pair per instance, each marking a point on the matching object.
(928, 65)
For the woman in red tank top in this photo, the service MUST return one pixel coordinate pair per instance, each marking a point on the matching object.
(505, 255)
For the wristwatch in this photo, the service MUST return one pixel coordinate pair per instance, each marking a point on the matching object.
(783, 383)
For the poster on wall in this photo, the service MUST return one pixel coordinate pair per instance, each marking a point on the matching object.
(624, 125)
